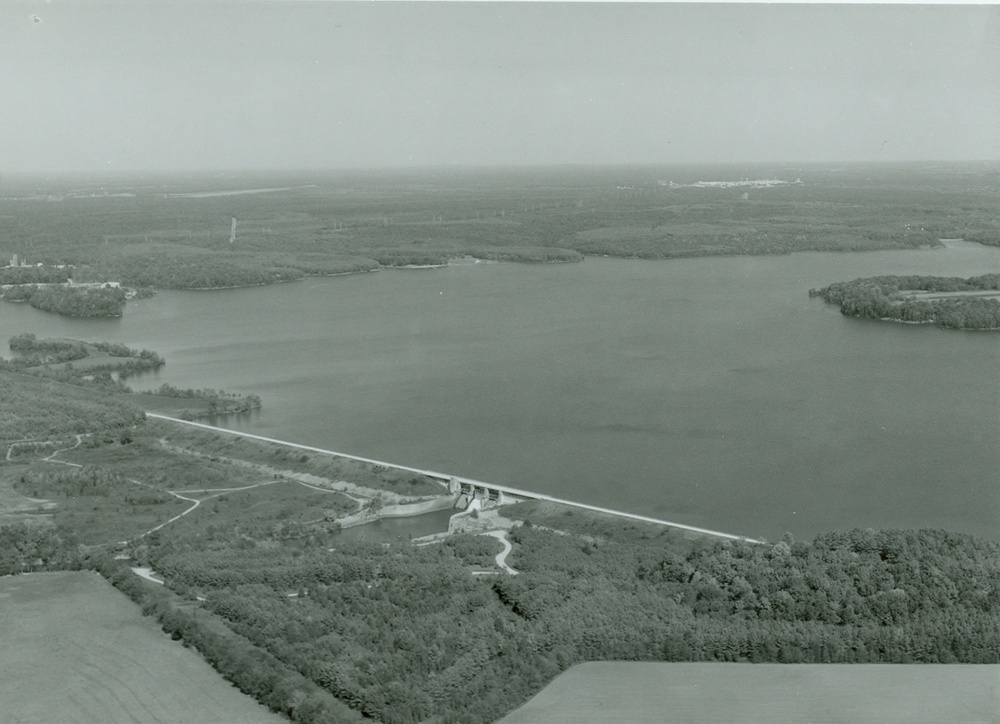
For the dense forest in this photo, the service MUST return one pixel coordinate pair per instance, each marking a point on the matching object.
(36, 408)
(71, 301)
(905, 299)
(34, 275)
(168, 237)
(404, 634)
(464, 648)
(218, 402)
(189, 271)
(53, 358)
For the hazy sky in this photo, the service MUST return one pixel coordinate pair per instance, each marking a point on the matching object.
(150, 85)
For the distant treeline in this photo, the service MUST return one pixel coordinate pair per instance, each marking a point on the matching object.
(192, 271)
(34, 275)
(362, 222)
(437, 257)
(893, 298)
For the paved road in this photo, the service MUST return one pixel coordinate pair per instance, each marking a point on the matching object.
(501, 557)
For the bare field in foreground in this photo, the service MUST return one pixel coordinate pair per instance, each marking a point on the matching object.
(604, 691)
(73, 649)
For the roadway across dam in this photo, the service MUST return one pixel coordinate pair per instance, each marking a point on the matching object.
(502, 492)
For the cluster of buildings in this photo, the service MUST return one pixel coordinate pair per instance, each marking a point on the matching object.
(22, 263)
(765, 183)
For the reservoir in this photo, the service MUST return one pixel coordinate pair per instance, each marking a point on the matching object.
(709, 391)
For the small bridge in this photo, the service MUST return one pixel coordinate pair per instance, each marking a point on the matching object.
(471, 493)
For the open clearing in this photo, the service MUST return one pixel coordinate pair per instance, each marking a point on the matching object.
(15, 507)
(919, 294)
(73, 649)
(608, 691)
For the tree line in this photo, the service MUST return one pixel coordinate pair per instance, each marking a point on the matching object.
(39, 408)
(220, 401)
(34, 275)
(71, 301)
(33, 351)
(194, 271)
(896, 298)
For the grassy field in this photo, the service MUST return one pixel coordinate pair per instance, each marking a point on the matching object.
(281, 506)
(274, 456)
(76, 650)
(120, 510)
(15, 507)
(113, 513)
(108, 490)
(598, 525)
(601, 692)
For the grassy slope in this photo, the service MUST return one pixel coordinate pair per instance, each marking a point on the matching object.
(74, 649)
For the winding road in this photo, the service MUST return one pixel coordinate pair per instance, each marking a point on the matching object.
(501, 559)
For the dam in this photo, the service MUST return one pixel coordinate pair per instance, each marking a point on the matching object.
(467, 488)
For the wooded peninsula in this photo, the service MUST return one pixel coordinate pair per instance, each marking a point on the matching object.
(952, 302)
(105, 366)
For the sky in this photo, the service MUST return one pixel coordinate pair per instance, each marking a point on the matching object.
(150, 85)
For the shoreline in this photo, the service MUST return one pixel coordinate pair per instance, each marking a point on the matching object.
(584, 255)
(923, 322)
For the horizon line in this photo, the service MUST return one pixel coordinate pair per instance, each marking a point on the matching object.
(222, 170)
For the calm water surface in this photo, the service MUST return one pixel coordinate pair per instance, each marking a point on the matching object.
(709, 391)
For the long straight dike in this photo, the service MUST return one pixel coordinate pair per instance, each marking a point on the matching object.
(516, 492)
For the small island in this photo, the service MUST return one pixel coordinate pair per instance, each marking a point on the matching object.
(951, 302)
